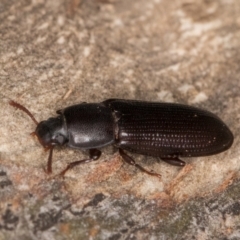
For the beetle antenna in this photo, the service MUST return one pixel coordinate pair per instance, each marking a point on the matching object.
(21, 107)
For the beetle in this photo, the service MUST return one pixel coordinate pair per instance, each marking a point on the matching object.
(163, 130)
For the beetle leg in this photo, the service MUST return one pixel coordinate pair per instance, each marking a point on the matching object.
(131, 161)
(49, 163)
(173, 160)
(94, 154)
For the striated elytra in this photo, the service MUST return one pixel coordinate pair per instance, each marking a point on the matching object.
(164, 130)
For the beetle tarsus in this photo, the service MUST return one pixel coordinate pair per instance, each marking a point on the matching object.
(131, 161)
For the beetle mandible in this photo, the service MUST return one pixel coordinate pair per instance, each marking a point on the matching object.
(164, 130)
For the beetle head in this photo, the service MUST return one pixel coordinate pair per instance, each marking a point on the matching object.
(51, 132)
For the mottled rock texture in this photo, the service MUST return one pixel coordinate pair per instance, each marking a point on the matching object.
(57, 53)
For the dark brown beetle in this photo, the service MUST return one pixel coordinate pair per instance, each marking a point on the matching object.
(164, 130)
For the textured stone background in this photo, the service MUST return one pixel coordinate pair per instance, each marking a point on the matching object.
(57, 53)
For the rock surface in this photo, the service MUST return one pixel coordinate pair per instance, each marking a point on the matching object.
(57, 53)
